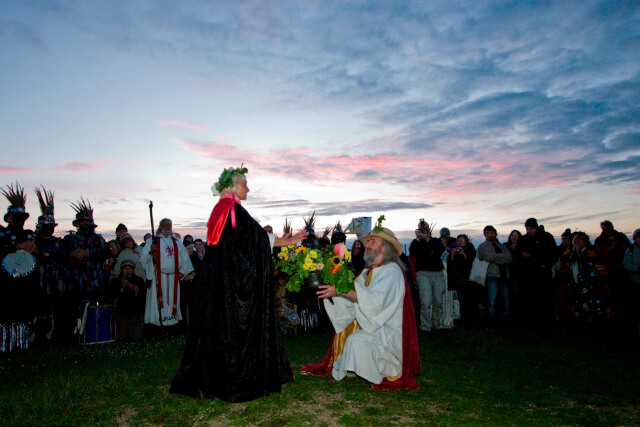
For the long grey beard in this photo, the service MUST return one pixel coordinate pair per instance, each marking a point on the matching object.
(370, 255)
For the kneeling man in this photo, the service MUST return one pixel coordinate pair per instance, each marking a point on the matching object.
(381, 345)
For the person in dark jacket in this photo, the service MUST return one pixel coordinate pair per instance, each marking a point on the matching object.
(128, 292)
(426, 255)
(536, 253)
(458, 270)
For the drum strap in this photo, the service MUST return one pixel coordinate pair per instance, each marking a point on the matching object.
(175, 276)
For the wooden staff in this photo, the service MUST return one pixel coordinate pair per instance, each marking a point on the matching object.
(158, 297)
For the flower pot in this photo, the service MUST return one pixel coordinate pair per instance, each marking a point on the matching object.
(313, 281)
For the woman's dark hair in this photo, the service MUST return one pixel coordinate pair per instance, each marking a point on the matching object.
(465, 237)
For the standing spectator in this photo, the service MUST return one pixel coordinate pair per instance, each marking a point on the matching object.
(127, 291)
(562, 299)
(200, 248)
(513, 272)
(357, 257)
(165, 261)
(426, 253)
(18, 291)
(50, 260)
(338, 236)
(610, 247)
(83, 275)
(498, 256)
(110, 259)
(144, 239)
(459, 267)
(120, 230)
(130, 251)
(448, 242)
(186, 285)
(187, 240)
(632, 265)
(588, 293)
(512, 241)
(566, 243)
(535, 254)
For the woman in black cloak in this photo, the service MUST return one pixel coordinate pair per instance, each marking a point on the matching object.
(233, 350)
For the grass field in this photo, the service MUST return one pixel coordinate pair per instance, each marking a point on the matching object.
(469, 377)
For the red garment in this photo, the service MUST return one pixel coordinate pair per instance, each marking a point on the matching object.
(410, 350)
(323, 367)
(218, 217)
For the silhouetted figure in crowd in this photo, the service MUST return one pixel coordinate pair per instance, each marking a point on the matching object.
(610, 247)
(536, 254)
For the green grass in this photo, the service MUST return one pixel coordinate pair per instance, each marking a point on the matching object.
(469, 377)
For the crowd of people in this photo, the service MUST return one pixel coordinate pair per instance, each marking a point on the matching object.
(55, 287)
(529, 281)
(232, 301)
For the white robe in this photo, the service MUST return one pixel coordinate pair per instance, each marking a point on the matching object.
(167, 268)
(374, 351)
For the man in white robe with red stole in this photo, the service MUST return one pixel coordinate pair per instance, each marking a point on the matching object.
(376, 336)
(165, 261)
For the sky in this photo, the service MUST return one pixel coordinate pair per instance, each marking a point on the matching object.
(461, 113)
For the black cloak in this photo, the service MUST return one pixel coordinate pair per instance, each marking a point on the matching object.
(233, 350)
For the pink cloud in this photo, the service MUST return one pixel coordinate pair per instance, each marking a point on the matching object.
(82, 166)
(422, 177)
(14, 170)
(194, 126)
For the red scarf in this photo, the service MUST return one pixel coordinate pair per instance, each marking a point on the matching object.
(219, 215)
(175, 276)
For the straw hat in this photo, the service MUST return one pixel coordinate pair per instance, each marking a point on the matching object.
(387, 235)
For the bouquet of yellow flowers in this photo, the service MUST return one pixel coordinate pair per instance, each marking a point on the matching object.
(298, 262)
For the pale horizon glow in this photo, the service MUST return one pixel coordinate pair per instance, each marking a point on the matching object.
(464, 114)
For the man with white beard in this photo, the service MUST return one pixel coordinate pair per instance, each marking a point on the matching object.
(165, 261)
(375, 322)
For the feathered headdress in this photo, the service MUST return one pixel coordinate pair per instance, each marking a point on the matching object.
(310, 222)
(83, 211)
(286, 229)
(17, 200)
(45, 198)
(338, 235)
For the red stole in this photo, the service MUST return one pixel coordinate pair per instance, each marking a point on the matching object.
(410, 350)
(175, 276)
(218, 217)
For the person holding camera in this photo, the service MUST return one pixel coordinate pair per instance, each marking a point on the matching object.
(128, 292)
(426, 257)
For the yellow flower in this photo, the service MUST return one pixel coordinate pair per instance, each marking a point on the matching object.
(347, 256)
(300, 249)
(309, 264)
(313, 254)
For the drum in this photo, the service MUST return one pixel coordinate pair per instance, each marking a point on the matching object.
(98, 324)
(19, 264)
